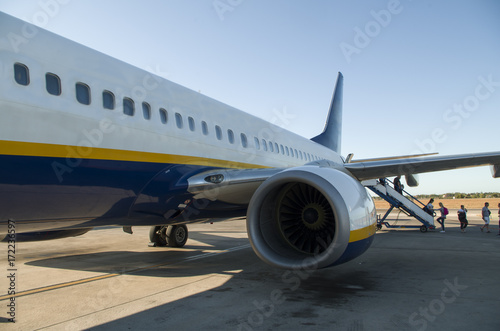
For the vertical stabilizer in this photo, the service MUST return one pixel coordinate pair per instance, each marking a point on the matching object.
(332, 134)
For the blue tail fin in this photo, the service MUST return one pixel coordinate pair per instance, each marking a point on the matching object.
(332, 134)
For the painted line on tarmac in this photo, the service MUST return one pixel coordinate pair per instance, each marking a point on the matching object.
(131, 271)
(54, 287)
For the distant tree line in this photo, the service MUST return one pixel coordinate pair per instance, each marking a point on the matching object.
(458, 195)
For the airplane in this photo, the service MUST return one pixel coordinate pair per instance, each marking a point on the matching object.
(87, 141)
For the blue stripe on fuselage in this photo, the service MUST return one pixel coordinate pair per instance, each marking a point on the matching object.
(102, 192)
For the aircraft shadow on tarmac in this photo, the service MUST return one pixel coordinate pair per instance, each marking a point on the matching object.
(127, 261)
(243, 299)
(245, 302)
(380, 290)
(401, 272)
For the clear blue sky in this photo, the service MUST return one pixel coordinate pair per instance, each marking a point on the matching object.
(419, 76)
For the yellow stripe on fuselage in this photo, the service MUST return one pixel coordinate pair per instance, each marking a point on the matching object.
(363, 233)
(85, 152)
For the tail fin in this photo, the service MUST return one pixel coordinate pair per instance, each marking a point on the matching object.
(332, 134)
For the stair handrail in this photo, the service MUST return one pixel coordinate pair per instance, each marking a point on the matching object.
(407, 193)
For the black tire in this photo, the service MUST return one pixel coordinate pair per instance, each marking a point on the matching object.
(176, 235)
(423, 229)
(157, 235)
(379, 227)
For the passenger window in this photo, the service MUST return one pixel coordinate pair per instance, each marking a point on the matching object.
(52, 84)
(21, 74)
(230, 136)
(296, 154)
(282, 149)
(108, 100)
(271, 148)
(204, 128)
(163, 116)
(257, 143)
(178, 120)
(244, 141)
(218, 132)
(276, 148)
(287, 151)
(146, 110)
(264, 145)
(191, 123)
(128, 106)
(82, 93)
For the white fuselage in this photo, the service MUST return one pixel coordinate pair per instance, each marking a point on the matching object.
(62, 120)
(74, 155)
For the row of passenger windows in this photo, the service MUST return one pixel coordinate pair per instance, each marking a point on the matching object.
(83, 96)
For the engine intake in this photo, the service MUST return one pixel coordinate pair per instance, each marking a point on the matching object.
(301, 217)
(305, 218)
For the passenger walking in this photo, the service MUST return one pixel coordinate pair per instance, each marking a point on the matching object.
(442, 218)
(429, 208)
(485, 213)
(397, 185)
(462, 217)
(499, 219)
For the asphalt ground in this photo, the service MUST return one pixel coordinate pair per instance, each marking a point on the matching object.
(107, 279)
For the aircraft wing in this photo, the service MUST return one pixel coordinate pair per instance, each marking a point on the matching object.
(237, 186)
(408, 166)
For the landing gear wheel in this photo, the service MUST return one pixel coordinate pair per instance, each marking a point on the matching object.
(379, 227)
(423, 229)
(157, 235)
(169, 235)
(176, 235)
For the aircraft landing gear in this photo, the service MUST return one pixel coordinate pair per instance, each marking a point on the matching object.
(168, 235)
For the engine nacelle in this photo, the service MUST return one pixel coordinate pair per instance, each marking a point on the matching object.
(310, 217)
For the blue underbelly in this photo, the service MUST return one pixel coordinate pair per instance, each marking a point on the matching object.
(87, 192)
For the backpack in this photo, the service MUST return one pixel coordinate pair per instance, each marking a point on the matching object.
(445, 211)
(462, 216)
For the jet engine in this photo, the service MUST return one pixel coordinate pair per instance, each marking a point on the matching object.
(303, 217)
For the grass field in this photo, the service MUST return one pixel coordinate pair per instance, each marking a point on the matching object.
(454, 204)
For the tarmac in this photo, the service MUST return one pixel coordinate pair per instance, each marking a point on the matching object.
(107, 280)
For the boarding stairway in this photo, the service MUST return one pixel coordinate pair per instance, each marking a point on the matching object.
(413, 207)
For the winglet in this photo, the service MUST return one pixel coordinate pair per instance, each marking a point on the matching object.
(331, 136)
